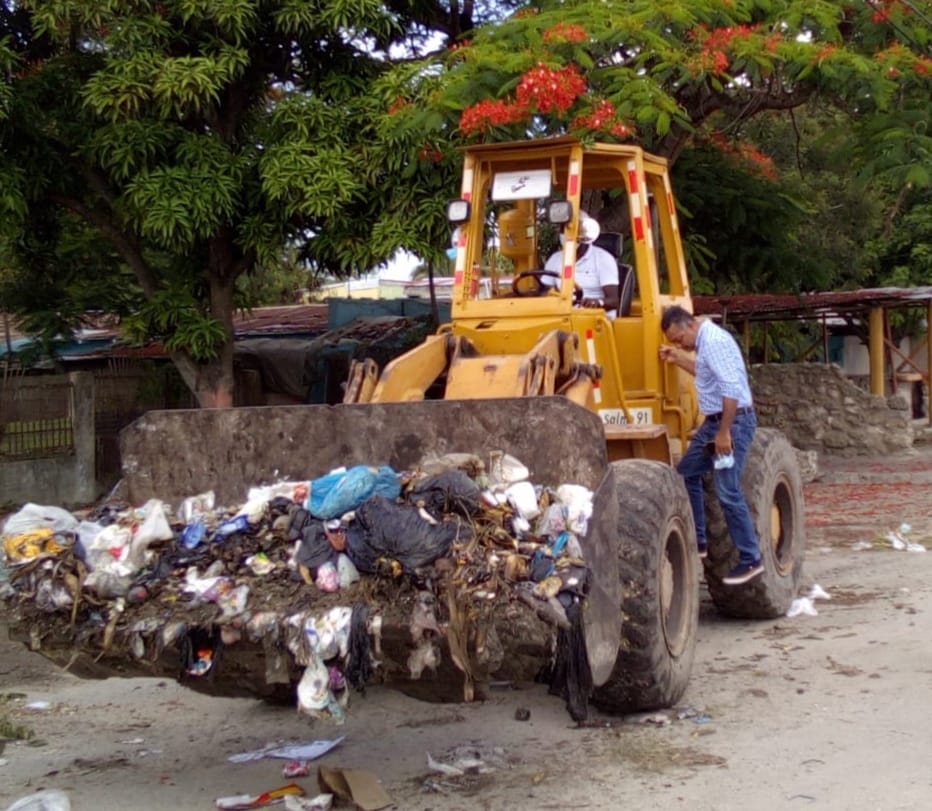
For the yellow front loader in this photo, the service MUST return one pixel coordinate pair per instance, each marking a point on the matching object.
(517, 332)
(579, 396)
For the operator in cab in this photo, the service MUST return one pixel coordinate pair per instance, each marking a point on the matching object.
(596, 269)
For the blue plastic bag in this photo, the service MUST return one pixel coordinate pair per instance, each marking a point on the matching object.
(338, 493)
(239, 523)
(193, 533)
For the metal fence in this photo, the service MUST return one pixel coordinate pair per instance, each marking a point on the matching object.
(36, 417)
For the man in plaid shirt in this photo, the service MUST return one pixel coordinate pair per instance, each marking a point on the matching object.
(728, 428)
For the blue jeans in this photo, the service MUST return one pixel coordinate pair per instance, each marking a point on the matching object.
(696, 461)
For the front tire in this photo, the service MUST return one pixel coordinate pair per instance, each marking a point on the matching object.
(773, 489)
(660, 590)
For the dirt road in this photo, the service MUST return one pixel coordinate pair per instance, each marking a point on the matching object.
(828, 711)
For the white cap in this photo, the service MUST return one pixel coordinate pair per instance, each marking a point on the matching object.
(589, 228)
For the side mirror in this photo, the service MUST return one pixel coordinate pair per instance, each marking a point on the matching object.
(458, 211)
(559, 212)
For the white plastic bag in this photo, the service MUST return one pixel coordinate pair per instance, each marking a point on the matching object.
(504, 469)
(578, 503)
(49, 800)
(154, 527)
(109, 551)
(523, 498)
(34, 516)
(194, 506)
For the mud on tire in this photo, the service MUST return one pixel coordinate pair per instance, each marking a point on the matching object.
(660, 590)
(773, 488)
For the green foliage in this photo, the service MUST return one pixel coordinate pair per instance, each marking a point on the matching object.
(902, 254)
(748, 224)
(69, 276)
(202, 141)
(669, 69)
(174, 315)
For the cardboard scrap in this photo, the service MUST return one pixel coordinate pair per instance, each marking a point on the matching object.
(354, 785)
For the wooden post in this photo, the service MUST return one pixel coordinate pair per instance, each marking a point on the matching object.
(876, 350)
(766, 341)
(929, 361)
(824, 340)
(888, 352)
(746, 332)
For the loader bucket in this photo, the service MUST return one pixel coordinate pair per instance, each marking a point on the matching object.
(174, 454)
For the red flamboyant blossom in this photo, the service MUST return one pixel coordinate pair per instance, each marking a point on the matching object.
(550, 90)
(603, 114)
(565, 32)
(720, 39)
(484, 115)
(924, 66)
(603, 118)
(749, 154)
(715, 43)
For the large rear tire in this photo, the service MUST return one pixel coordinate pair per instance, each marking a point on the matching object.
(660, 590)
(773, 489)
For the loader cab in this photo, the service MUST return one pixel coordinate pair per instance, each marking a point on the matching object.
(517, 200)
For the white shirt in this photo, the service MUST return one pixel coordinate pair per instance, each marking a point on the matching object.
(720, 369)
(594, 271)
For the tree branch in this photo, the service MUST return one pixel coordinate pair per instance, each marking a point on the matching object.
(126, 246)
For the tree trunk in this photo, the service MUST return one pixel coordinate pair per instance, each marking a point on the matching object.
(212, 381)
(434, 312)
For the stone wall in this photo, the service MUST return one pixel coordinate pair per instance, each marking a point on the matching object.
(820, 409)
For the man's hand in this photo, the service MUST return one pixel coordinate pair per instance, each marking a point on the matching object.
(723, 441)
(668, 353)
(683, 359)
(593, 302)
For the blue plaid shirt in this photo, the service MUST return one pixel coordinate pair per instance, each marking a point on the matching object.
(720, 369)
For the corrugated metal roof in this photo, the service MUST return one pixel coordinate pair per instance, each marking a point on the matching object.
(787, 307)
(103, 340)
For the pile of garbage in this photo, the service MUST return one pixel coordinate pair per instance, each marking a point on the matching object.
(310, 571)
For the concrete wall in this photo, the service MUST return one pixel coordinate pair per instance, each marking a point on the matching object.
(820, 409)
(66, 480)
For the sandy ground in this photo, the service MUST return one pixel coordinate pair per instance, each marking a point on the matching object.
(827, 711)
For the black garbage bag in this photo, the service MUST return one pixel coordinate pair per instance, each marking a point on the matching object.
(300, 518)
(359, 662)
(452, 491)
(280, 505)
(571, 678)
(384, 530)
(315, 548)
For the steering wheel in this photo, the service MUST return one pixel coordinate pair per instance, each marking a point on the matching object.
(522, 285)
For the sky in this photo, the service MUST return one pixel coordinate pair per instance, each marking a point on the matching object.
(400, 267)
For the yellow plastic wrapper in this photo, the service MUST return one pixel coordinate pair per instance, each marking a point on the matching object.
(30, 545)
